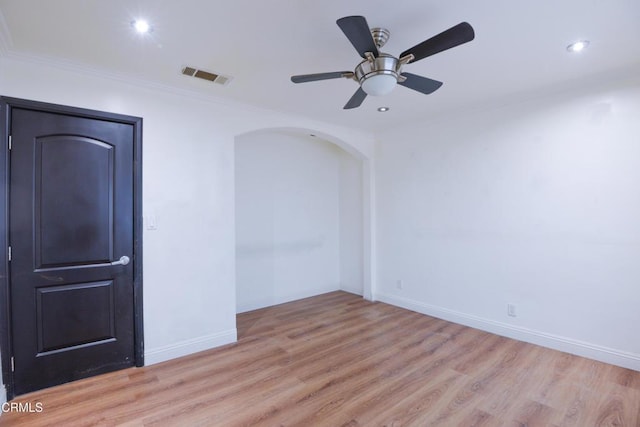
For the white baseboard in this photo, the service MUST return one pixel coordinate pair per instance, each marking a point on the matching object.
(567, 345)
(184, 348)
(282, 299)
(352, 290)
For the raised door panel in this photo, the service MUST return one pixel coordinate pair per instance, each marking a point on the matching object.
(74, 201)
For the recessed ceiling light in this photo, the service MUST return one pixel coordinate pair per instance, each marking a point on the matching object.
(578, 46)
(383, 109)
(141, 26)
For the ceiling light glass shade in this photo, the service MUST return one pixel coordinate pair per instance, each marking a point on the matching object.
(379, 84)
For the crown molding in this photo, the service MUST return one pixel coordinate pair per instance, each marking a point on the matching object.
(82, 68)
(6, 42)
(559, 91)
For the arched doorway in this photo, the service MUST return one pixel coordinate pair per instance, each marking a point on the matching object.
(300, 217)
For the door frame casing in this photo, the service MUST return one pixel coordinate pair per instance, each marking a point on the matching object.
(6, 106)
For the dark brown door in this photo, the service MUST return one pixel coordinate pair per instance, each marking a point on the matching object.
(71, 228)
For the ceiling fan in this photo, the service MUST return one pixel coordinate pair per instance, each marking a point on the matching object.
(379, 72)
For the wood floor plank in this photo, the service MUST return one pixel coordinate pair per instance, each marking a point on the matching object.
(338, 360)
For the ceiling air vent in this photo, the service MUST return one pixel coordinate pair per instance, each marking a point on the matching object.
(206, 75)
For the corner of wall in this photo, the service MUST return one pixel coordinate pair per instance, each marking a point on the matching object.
(352, 289)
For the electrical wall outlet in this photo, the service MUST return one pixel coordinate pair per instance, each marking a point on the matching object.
(511, 310)
(399, 284)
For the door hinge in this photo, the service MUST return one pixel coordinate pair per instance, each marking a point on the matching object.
(9, 253)
(13, 364)
(9, 142)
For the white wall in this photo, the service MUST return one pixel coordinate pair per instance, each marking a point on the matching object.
(293, 219)
(188, 185)
(535, 204)
(352, 228)
(351, 202)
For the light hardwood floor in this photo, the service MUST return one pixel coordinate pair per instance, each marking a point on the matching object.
(338, 360)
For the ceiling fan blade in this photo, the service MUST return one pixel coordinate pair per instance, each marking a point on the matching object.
(454, 36)
(356, 99)
(357, 31)
(304, 78)
(419, 83)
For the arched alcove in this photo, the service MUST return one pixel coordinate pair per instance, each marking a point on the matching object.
(300, 217)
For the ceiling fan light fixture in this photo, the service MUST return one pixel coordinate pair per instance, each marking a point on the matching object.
(379, 84)
(378, 76)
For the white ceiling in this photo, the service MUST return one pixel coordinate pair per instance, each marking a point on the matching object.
(520, 48)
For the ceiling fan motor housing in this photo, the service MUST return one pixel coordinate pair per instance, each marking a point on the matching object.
(385, 70)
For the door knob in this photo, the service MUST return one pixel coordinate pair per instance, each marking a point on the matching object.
(124, 260)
